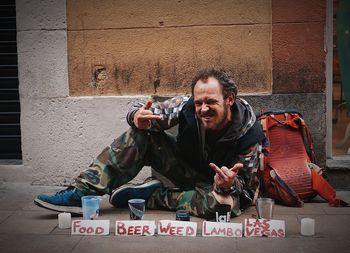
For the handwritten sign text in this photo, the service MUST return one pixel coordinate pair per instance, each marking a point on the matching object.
(177, 228)
(222, 229)
(90, 227)
(135, 227)
(264, 227)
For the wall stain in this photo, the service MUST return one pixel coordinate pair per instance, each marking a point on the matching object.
(249, 75)
(124, 73)
(154, 75)
(158, 70)
(156, 84)
(174, 78)
(171, 78)
(296, 78)
(99, 78)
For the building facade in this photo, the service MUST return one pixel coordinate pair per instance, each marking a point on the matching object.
(81, 63)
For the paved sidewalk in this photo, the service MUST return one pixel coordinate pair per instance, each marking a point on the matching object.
(25, 227)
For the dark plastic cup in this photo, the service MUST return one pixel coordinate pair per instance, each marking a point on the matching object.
(183, 215)
(222, 213)
(136, 209)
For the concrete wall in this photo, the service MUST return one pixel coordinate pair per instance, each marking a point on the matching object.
(62, 132)
(61, 135)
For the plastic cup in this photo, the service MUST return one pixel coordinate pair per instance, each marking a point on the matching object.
(91, 207)
(182, 215)
(307, 227)
(264, 207)
(136, 209)
(222, 213)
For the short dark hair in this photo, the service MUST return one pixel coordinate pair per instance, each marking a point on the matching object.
(224, 78)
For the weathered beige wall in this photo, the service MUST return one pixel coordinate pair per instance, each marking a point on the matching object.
(298, 46)
(154, 47)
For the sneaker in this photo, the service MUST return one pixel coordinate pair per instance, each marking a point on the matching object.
(120, 196)
(68, 200)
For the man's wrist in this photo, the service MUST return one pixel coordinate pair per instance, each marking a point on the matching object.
(130, 117)
(225, 191)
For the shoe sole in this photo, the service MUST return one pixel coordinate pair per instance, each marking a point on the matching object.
(61, 209)
(154, 183)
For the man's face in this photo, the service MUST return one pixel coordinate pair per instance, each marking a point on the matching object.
(212, 109)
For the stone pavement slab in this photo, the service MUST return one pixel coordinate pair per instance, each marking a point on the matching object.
(162, 244)
(4, 215)
(29, 222)
(10, 243)
(295, 245)
(25, 227)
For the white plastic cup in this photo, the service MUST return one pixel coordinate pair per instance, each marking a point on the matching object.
(307, 227)
(64, 220)
(91, 207)
(264, 207)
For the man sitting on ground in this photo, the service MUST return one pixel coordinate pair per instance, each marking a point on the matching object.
(213, 160)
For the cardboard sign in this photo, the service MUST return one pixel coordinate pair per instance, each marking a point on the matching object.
(264, 227)
(177, 228)
(222, 229)
(90, 227)
(135, 227)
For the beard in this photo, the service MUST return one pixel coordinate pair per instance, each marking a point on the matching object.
(218, 124)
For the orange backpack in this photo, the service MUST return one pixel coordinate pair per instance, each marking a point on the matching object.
(288, 173)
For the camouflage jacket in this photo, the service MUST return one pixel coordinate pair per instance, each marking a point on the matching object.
(240, 143)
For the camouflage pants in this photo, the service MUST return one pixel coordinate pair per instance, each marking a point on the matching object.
(125, 157)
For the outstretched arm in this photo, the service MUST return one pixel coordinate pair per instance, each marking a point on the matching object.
(167, 113)
(143, 116)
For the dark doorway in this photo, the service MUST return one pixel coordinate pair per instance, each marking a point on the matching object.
(10, 130)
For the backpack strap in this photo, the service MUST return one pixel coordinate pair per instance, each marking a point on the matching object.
(308, 141)
(325, 190)
(266, 148)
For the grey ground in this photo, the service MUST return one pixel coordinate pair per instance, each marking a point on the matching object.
(25, 227)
